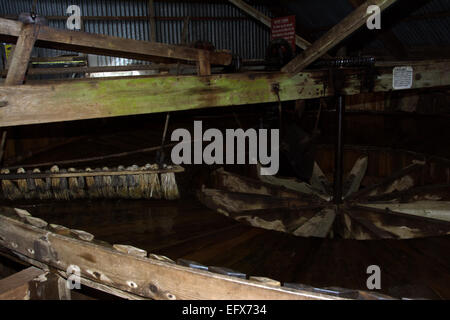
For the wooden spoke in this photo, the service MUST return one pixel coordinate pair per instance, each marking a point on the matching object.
(399, 181)
(319, 225)
(439, 210)
(236, 183)
(373, 230)
(404, 226)
(353, 181)
(229, 202)
(433, 192)
(295, 185)
(319, 181)
(282, 220)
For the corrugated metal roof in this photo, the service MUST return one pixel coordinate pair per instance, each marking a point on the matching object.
(240, 34)
(315, 15)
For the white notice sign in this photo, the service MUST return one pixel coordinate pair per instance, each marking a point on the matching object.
(402, 78)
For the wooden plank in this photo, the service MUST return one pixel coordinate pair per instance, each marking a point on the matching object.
(108, 45)
(85, 69)
(50, 102)
(141, 276)
(21, 56)
(87, 99)
(16, 287)
(338, 33)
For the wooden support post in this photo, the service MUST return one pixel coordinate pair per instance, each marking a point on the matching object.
(204, 64)
(16, 287)
(21, 56)
(338, 33)
(151, 14)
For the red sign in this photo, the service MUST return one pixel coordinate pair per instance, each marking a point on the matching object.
(284, 28)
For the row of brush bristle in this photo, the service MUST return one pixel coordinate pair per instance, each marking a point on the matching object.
(141, 185)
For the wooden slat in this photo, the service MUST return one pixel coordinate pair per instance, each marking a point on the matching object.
(141, 276)
(338, 33)
(16, 287)
(108, 45)
(21, 56)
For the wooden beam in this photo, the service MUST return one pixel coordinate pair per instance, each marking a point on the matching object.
(22, 53)
(151, 16)
(107, 45)
(299, 41)
(204, 65)
(141, 276)
(87, 99)
(338, 33)
(68, 70)
(16, 287)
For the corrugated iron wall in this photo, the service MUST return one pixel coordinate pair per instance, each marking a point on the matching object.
(226, 26)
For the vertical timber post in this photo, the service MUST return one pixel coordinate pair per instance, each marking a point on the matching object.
(22, 54)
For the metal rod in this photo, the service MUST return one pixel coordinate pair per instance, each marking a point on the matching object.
(339, 154)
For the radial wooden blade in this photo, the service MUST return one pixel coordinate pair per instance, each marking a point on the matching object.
(439, 210)
(319, 181)
(282, 220)
(349, 226)
(401, 180)
(229, 202)
(228, 181)
(401, 225)
(432, 192)
(295, 185)
(318, 226)
(353, 181)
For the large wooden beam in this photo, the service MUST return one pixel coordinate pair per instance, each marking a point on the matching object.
(86, 99)
(141, 276)
(338, 33)
(107, 45)
(22, 53)
(16, 286)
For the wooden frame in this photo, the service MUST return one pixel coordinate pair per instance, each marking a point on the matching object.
(17, 286)
(137, 275)
(84, 42)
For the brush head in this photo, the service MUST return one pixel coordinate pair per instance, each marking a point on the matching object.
(147, 182)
